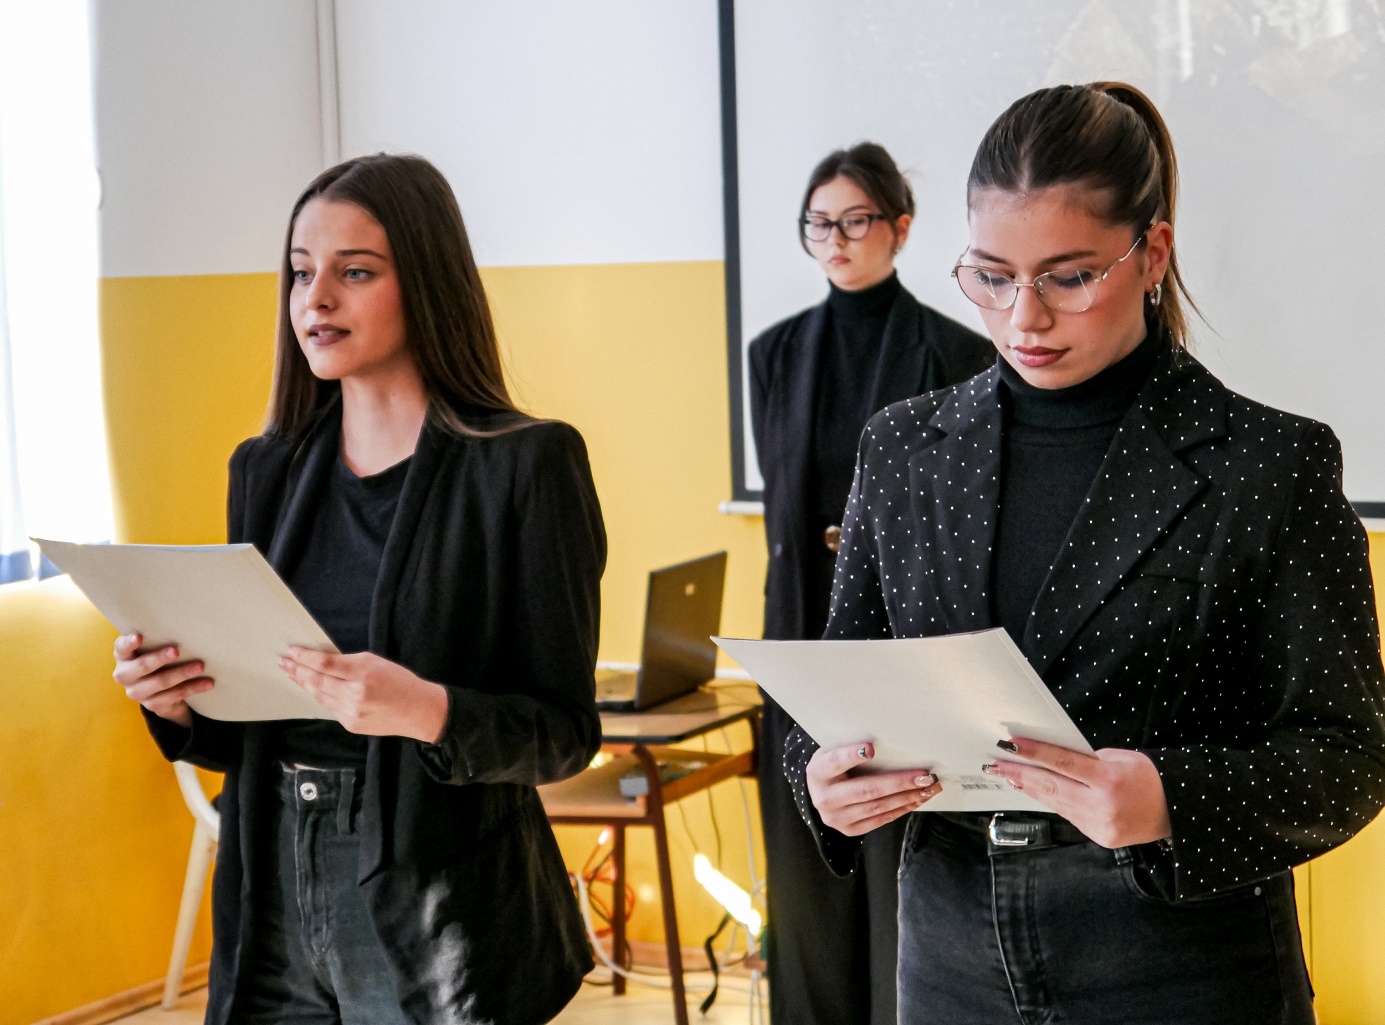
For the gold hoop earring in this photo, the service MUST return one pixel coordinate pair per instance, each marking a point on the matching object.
(1156, 295)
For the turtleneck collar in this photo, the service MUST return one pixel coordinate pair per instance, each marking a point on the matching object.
(1101, 399)
(866, 304)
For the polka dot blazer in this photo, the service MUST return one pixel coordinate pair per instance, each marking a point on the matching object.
(1212, 607)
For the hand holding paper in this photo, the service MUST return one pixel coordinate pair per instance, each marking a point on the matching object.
(936, 703)
(855, 804)
(157, 680)
(1114, 796)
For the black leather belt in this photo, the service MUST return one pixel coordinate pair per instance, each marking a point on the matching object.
(1011, 832)
(1017, 831)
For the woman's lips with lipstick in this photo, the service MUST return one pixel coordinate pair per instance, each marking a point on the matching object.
(1036, 355)
(326, 334)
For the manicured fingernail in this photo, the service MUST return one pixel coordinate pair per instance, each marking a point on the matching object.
(170, 652)
(989, 767)
(284, 662)
(861, 752)
(925, 781)
(1015, 784)
(1008, 745)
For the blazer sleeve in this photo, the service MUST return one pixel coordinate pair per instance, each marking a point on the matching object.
(545, 727)
(1317, 775)
(210, 743)
(857, 613)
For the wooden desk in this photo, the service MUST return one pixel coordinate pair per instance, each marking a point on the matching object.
(639, 739)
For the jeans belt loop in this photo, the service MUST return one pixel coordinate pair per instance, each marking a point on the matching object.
(344, 799)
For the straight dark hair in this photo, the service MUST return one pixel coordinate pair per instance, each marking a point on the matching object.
(447, 320)
(1107, 137)
(870, 166)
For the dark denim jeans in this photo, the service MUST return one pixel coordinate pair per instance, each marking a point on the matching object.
(1074, 934)
(316, 958)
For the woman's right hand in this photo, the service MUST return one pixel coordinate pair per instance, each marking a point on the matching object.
(157, 681)
(857, 804)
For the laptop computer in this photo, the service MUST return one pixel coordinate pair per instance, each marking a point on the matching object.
(681, 614)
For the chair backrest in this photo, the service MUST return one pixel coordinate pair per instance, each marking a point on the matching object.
(196, 798)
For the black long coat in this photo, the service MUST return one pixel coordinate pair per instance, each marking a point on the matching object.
(488, 585)
(1212, 606)
(922, 350)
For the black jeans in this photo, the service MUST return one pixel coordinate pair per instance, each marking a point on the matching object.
(1073, 934)
(316, 958)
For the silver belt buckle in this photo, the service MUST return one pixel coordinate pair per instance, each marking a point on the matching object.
(1000, 841)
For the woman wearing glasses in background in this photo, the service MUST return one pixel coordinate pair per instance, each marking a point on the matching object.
(1182, 569)
(816, 378)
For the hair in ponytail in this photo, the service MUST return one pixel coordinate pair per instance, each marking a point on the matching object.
(1107, 136)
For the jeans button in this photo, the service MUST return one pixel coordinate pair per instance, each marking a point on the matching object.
(308, 791)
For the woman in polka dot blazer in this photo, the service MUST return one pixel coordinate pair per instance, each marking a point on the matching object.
(1181, 567)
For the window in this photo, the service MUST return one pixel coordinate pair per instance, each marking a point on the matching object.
(54, 478)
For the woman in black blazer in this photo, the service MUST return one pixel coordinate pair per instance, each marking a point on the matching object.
(816, 378)
(1179, 565)
(396, 865)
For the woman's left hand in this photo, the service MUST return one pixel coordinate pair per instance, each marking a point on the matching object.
(370, 695)
(1114, 797)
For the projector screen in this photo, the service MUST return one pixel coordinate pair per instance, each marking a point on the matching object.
(1277, 109)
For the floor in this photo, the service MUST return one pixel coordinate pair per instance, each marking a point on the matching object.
(594, 1005)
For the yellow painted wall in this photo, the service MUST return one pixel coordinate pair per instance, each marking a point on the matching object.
(93, 836)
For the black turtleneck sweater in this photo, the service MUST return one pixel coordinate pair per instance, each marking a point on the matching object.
(1055, 440)
(850, 360)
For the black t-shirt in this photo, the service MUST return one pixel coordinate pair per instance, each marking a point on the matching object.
(1055, 440)
(335, 581)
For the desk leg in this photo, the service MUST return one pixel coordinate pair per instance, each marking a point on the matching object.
(618, 910)
(655, 808)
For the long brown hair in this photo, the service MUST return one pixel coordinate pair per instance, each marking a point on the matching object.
(1107, 136)
(447, 320)
(870, 166)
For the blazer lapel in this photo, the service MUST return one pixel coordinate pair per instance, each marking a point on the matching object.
(955, 490)
(307, 475)
(799, 395)
(382, 752)
(903, 355)
(1140, 490)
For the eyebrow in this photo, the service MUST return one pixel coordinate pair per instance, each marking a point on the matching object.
(1076, 254)
(858, 206)
(344, 252)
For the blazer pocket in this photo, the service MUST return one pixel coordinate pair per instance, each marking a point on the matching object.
(1197, 567)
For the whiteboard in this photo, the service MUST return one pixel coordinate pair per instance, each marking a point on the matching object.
(1277, 109)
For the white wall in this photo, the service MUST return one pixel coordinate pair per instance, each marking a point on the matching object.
(207, 129)
(572, 132)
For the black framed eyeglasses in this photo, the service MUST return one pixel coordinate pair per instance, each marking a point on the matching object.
(1067, 291)
(853, 226)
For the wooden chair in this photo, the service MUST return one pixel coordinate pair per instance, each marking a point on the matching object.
(206, 833)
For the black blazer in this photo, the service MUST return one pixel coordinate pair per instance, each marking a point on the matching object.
(1212, 606)
(923, 350)
(489, 585)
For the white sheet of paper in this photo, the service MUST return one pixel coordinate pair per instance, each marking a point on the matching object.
(222, 604)
(937, 703)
